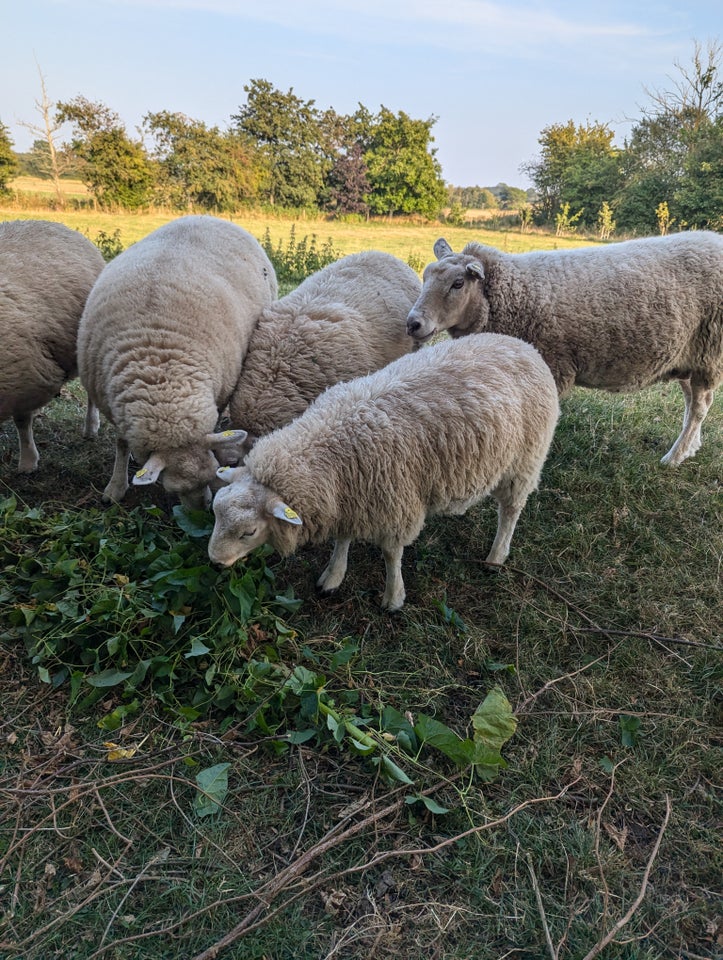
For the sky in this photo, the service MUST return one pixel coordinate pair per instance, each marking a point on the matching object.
(492, 75)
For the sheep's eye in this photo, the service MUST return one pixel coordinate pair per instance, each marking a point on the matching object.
(248, 533)
(459, 282)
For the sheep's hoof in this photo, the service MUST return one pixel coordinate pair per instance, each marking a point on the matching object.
(323, 591)
(393, 604)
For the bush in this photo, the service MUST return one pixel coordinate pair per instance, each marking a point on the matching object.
(300, 258)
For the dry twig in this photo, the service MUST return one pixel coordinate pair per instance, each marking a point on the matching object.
(610, 935)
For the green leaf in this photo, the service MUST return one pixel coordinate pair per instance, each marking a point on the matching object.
(394, 772)
(196, 523)
(629, 729)
(301, 736)
(198, 649)
(428, 802)
(109, 678)
(493, 721)
(212, 783)
(438, 735)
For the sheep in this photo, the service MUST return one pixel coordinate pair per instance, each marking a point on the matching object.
(619, 317)
(160, 347)
(370, 459)
(344, 321)
(46, 273)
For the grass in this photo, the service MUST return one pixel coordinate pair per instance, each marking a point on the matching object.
(410, 241)
(603, 632)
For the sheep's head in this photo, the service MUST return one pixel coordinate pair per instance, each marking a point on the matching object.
(189, 471)
(452, 292)
(247, 516)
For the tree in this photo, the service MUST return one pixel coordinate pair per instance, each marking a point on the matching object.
(287, 133)
(404, 173)
(200, 165)
(8, 163)
(348, 183)
(673, 154)
(47, 159)
(699, 197)
(696, 95)
(116, 169)
(578, 166)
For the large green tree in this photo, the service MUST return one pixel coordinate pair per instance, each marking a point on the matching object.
(286, 130)
(115, 168)
(699, 196)
(8, 162)
(199, 165)
(404, 174)
(578, 165)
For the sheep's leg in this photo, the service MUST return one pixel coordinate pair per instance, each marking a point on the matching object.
(335, 570)
(510, 504)
(118, 483)
(394, 593)
(29, 456)
(92, 421)
(698, 401)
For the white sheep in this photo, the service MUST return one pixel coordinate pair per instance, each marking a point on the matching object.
(431, 433)
(46, 273)
(160, 348)
(344, 321)
(618, 317)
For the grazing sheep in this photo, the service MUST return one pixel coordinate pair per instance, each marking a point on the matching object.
(619, 317)
(431, 433)
(160, 348)
(46, 272)
(344, 321)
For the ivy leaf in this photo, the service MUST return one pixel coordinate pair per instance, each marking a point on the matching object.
(493, 721)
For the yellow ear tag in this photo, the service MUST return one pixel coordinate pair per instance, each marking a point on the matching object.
(228, 433)
(290, 514)
(223, 469)
(142, 472)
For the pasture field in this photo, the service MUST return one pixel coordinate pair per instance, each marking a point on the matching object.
(206, 764)
(410, 241)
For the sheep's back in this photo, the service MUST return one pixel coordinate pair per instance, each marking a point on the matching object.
(46, 273)
(620, 316)
(432, 429)
(345, 321)
(165, 329)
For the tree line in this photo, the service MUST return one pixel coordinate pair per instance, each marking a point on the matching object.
(278, 150)
(283, 151)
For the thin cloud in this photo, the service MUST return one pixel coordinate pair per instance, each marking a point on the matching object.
(458, 24)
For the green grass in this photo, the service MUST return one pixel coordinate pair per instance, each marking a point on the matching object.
(604, 632)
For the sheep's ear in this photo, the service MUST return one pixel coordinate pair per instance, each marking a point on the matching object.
(229, 474)
(283, 512)
(442, 249)
(150, 471)
(476, 269)
(225, 437)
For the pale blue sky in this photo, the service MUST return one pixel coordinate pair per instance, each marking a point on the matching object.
(492, 73)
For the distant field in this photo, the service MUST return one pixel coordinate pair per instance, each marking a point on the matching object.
(410, 241)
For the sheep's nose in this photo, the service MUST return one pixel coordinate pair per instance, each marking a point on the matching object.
(413, 325)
